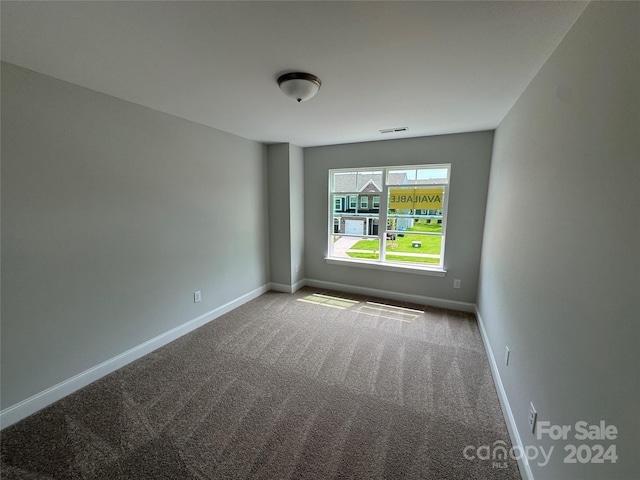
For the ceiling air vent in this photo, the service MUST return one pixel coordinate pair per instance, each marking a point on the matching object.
(394, 130)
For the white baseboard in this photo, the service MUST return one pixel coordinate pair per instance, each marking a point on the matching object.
(402, 297)
(23, 409)
(298, 285)
(281, 287)
(523, 464)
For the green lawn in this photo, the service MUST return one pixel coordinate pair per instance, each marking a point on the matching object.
(425, 227)
(429, 244)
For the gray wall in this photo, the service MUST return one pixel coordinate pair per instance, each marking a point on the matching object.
(560, 276)
(286, 214)
(296, 186)
(112, 216)
(470, 156)
(279, 218)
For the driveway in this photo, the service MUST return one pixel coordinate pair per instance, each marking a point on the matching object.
(343, 244)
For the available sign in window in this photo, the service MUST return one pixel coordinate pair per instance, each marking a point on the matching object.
(417, 198)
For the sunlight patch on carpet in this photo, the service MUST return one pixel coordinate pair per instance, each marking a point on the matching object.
(388, 311)
(329, 301)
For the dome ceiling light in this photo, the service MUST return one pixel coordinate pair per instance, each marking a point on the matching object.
(299, 85)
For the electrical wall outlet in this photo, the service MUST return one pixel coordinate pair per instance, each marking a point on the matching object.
(506, 355)
(456, 283)
(197, 296)
(533, 417)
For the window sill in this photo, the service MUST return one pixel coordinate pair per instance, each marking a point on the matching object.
(433, 271)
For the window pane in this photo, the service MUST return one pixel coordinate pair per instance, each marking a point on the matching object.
(432, 175)
(413, 248)
(418, 176)
(416, 209)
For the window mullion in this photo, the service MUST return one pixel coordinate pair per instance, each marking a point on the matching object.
(382, 217)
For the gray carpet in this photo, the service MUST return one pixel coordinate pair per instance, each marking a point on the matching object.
(302, 386)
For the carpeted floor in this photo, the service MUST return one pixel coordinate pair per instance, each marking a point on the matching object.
(314, 385)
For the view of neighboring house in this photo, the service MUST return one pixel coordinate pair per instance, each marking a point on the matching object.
(356, 206)
(356, 203)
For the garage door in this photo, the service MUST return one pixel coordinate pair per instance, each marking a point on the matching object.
(354, 227)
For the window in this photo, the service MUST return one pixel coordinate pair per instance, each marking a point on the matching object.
(412, 204)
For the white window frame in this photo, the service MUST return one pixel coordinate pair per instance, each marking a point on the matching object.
(381, 263)
(353, 202)
(376, 204)
(364, 202)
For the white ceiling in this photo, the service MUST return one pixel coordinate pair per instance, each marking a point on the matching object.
(435, 67)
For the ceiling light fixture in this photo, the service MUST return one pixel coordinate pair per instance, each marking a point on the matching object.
(299, 85)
